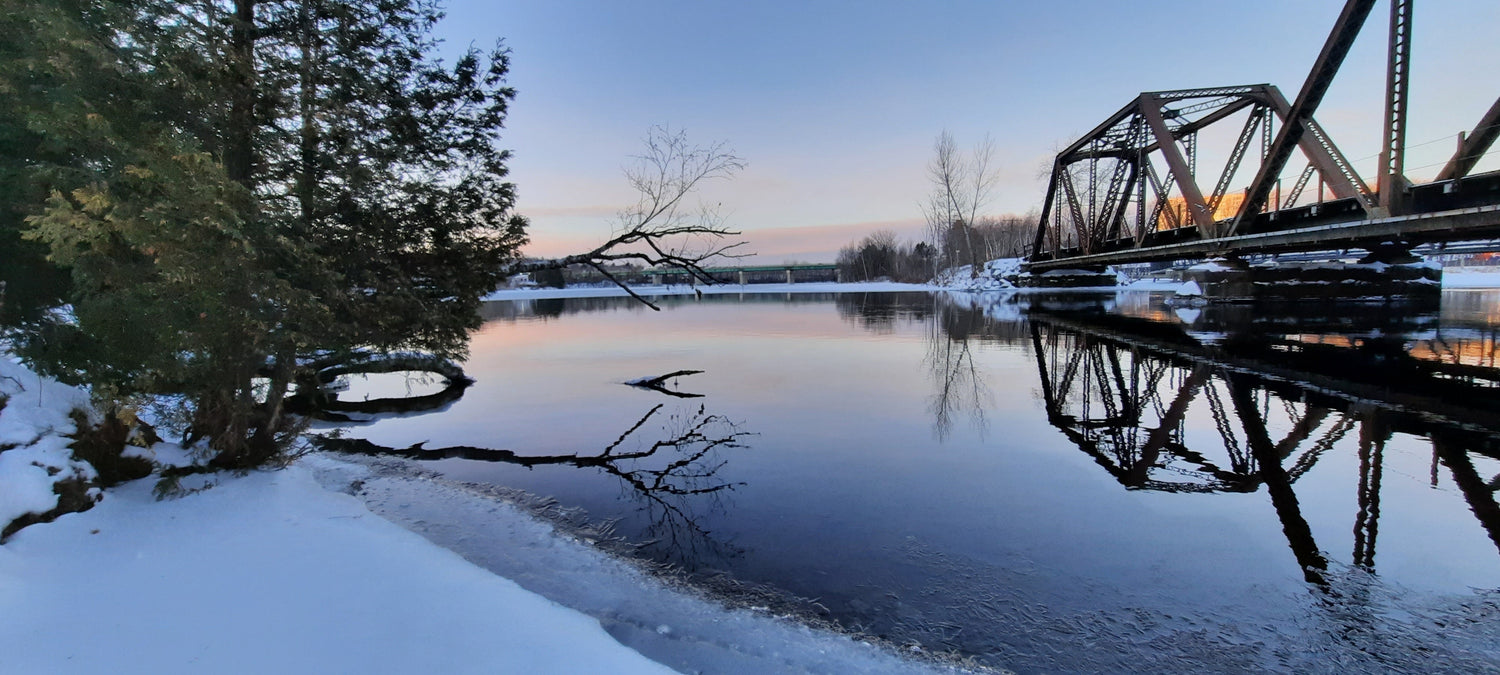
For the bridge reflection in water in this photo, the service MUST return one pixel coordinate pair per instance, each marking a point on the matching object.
(1281, 393)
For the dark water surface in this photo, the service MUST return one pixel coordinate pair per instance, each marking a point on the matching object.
(1077, 483)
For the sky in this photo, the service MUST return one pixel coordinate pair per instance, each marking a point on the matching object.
(835, 105)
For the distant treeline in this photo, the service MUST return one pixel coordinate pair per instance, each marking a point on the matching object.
(880, 255)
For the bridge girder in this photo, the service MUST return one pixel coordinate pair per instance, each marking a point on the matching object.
(1472, 146)
(1300, 113)
(1154, 136)
(1185, 220)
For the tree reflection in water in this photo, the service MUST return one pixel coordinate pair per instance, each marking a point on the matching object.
(673, 475)
(959, 389)
(1231, 398)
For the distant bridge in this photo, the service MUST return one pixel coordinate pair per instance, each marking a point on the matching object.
(749, 274)
(1128, 191)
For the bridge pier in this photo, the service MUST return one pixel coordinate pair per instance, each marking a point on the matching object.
(1386, 275)
(1084, 277)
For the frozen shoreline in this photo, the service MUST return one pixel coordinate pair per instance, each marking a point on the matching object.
(285, 571)
(670, 624)
(271, 573)
(337, 564)
(1454, 278)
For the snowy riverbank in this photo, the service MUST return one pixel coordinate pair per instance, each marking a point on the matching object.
(957, 279)
(337, 565)
(271, 573)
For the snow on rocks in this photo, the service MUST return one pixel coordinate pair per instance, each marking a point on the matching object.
(1190, 289)
(36, 418)
(997, 275)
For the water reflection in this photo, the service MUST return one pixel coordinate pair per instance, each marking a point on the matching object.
(672, 474)
(1278, 393)
(1099, 483)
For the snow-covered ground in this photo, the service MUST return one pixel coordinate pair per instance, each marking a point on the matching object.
(271, 573)
(335, 565)
(992, 279)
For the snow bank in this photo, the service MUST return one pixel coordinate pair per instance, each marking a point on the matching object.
(35, 420)
(716, 289)
(996, 276)
(671, 625)
(271, 573)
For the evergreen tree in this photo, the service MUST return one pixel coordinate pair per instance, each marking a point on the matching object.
(236, 187)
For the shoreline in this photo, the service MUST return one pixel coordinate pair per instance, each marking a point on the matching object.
(526, 538)
(1456, 278)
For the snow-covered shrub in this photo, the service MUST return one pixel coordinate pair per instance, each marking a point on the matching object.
(52, 445)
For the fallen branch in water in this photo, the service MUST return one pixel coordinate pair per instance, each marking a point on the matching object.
(659, 383)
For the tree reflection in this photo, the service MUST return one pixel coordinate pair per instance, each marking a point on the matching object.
(673, 475)
(959, 388)
(954, 329)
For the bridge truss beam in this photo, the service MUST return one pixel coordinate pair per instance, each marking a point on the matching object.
(1143, 160)
(1350, 20)
(1149, 151)
(1474, 145)
(1397, 80)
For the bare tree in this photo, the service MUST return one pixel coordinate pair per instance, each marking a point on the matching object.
(661, 228)
(961, 188)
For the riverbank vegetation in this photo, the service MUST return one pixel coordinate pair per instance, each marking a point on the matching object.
(207, 203)
(959, 232)
(881, 255)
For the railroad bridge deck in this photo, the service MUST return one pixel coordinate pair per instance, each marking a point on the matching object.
(1128, 191)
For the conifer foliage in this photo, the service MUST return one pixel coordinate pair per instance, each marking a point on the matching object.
(237, 187)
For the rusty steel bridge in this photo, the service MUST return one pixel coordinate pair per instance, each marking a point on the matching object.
(1129, 190)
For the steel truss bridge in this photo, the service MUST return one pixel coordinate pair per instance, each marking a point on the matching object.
(1123, 389)
(1129, 191)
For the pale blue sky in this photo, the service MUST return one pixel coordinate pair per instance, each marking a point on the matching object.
(835, 105)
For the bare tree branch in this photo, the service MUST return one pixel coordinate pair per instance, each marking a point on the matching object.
(961, 188)
(660, 230)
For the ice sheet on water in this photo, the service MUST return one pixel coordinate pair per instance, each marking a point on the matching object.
(701, 635)
(1356, 622)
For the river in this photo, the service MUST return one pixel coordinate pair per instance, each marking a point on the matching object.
(1080, 482)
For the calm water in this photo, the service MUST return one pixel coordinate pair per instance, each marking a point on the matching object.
(1081, 483)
